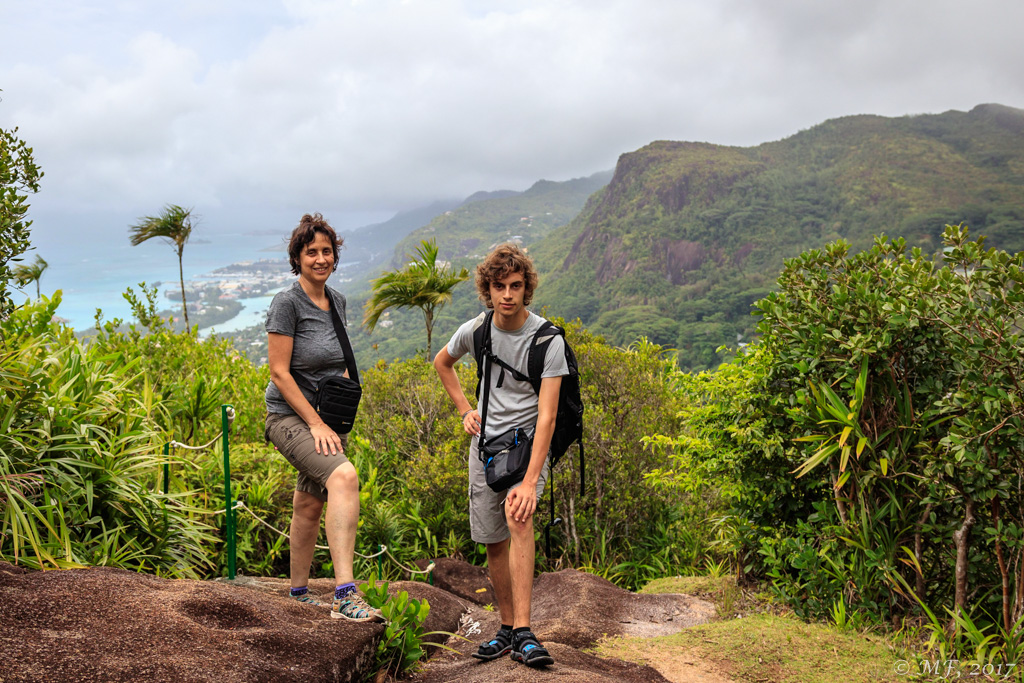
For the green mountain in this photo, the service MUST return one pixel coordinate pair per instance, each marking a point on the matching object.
(488, 218)
(687, 236)
(372, 246)
(464, 235)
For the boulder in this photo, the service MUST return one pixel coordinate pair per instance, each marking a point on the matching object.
(571, 610)
(104, 624)
(460, 578)
(113, 625)
(577, 609)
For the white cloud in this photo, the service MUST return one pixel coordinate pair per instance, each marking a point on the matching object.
(376, 105)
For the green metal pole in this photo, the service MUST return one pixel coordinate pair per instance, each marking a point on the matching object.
(167, 468)
(229, 511)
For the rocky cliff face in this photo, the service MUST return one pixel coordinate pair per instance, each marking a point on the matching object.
(662, 179)
(697, 232)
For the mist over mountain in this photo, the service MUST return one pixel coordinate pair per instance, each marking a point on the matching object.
(488, 218)
(496, 194)
(465, 233)
(373, 245)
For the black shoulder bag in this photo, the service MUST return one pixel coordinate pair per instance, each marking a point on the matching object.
(506, 457)
(337, 398)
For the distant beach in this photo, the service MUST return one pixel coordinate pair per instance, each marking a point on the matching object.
(254, 312)
(95, 274)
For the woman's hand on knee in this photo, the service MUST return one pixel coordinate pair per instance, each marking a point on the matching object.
(325, 439)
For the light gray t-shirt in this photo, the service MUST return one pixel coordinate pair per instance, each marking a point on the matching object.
(515, 403)
(316, 352)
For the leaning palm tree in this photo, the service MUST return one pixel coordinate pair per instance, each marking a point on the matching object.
(423, 283)
(25, 273)
(174, 224)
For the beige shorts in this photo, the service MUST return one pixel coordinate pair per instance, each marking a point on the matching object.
(290, 434)
(487, 523)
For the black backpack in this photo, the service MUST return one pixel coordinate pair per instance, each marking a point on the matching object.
(569, 420)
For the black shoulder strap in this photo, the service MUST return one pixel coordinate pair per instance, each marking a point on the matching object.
(478, 345)
(541, 341)
(483, 352)
(482, 349)
(346, 346)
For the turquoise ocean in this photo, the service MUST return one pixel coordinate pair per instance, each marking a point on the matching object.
(94, 273)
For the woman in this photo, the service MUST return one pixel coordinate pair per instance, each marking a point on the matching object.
(303, 348)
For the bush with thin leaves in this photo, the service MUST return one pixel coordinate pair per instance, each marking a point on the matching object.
(885, 405)
(80, 457)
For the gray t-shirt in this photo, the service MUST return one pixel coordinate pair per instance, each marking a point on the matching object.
(515, 403)
(316, 352)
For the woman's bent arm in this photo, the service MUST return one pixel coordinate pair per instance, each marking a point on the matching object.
(279, 357)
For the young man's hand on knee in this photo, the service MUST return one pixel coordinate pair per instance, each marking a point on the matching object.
(522, 502)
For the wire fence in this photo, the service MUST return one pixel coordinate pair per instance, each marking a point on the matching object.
(230, 524)
(382, 549)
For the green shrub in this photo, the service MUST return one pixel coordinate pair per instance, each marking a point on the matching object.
(417, 439)
(401, 647)
(875, 436)
(191, 376)
(79, 458)
(643, 531)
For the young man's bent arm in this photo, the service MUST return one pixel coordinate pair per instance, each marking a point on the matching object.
(444, 363)
(522, 500)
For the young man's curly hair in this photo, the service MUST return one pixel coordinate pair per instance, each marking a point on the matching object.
(305, 233)
(506, 259)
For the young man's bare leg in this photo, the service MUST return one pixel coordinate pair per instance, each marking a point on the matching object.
(501, 581)
(522, 550)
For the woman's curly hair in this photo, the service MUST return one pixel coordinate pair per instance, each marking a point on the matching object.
(305, 233)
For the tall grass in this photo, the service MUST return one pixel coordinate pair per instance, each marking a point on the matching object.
(79, 459)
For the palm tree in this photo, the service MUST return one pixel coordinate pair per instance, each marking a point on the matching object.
(25, 273)
(423, 283)
(173, 225)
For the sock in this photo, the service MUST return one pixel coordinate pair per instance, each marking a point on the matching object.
(506, 627)
(343, 590)
(517, 631)
(296, 592)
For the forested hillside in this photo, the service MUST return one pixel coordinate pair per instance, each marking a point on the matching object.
(488, 218)
(373, 246)
(464, 234)
(688, 235)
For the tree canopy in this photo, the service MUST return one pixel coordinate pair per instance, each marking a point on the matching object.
(26, 273)
(424, 283)
(19, 176)
(174, 224)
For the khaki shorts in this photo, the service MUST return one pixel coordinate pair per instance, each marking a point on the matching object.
(290, 434)
(487, 523)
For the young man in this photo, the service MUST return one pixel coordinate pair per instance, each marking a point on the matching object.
(503, 520)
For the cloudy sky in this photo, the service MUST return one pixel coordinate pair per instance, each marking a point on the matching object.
(256, 110)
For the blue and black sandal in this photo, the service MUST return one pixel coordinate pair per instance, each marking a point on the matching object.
(529, 651)
(493, 649)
